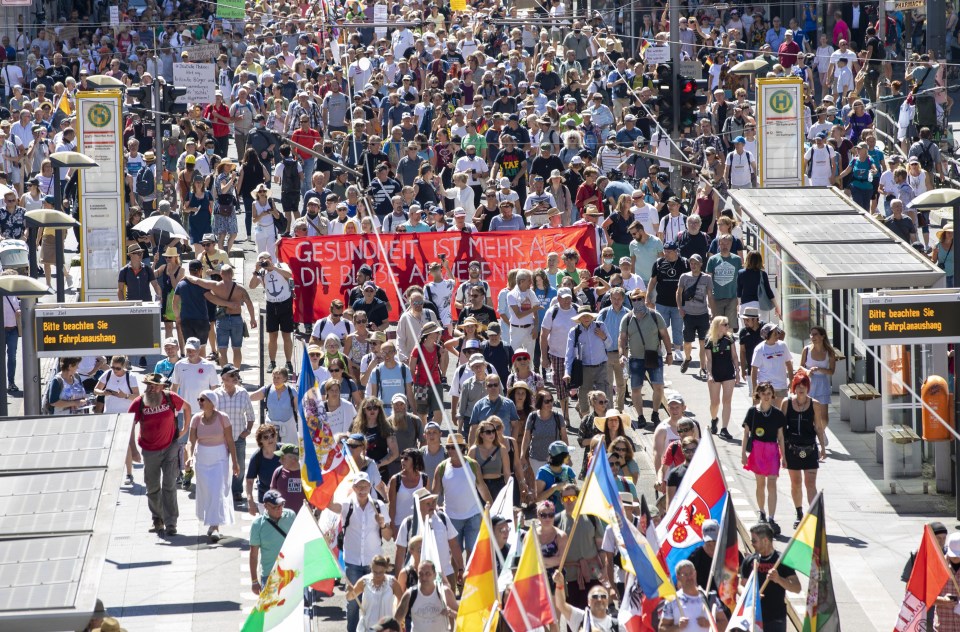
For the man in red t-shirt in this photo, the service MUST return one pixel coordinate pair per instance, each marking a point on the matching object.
(306, 136)
(156, 412)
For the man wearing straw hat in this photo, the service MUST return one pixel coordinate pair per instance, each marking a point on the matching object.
(426, 511)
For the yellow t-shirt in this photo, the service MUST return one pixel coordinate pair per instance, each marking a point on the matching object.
(212, 262)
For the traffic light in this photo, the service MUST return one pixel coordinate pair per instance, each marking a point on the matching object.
(692, 95)
(170, 95)
(143, 94)
(664, 101)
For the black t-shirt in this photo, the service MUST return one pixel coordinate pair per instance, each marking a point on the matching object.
(773, 601)
(749, 339)
(721, 359)
(667, 274)
(510, 162)
(606, 274)
(676, 475)
(878, 52)
(764, 426)
(262, 468)
(690, 245)
(376, 311)
(903, 227)
(485, 315)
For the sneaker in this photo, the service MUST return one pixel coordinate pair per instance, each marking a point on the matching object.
(725, 434)
(796, 523)
(639, 423)
(187, 479)
(172, 530)
(713, 425)
(655, 417)
(773, 525)
(179, 481)
(13, 388)
(290, 368)
(157, 526)
(685, 365)
(271, 366)
(129, 479)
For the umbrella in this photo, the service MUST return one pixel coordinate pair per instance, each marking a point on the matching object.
(163, 224)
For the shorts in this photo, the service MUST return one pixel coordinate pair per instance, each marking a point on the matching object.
(430, 403)
(727, 307)
(290, 202)
(639, 370)
(230, 331)
(695, 327)
(199, 329)
(810, 460)
(280, 316)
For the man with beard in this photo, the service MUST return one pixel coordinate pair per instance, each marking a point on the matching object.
(156, 412)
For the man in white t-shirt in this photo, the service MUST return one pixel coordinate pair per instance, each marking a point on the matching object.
(334, 323)
(557, 323)
(692, 606)
(523, 305)
(439, 291)
(644, 213)
(451, 557)
(741, 166)
(821, 160)
(193, 375)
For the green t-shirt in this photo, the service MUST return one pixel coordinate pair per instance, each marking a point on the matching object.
(724, 271)
(269, 539)
(650, 325)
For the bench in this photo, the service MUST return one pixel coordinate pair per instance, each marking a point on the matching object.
(907, 447)
(861, 405)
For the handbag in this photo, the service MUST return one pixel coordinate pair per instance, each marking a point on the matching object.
(226, 205)
(690, 292)
(576, 368)
(279, 221)
(651, 359)
(942, 263)
(765, 302)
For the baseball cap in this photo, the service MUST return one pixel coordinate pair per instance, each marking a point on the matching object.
(711, 530)
(938, 528)
(564, 292)
(171, 340)
(671, 245)
(274, 498)
(767, 329)
(559, 447)
(360, 477)
(953, 545)
(192, 343)
(432, 426)
(398, 397)
(739, 139)
(477, 358)
(676, 397)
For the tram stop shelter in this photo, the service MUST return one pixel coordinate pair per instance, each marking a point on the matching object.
(823, 254)
(60, 479)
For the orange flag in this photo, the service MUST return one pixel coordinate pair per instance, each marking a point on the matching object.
(529, 605)
(479, 583)
(927, 579)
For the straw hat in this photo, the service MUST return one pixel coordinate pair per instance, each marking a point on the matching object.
(582, 313)
(430, 328)
(600, 423)
(171, 251)
(518, 385)
(469, 320)
(261, 188)
(456, 438)
(947, 228)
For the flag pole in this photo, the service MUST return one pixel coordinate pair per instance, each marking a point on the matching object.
(753, 617)
(792, 538)
(576, 508)
(716, 560)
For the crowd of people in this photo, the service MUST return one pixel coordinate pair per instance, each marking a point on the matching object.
(326, 122)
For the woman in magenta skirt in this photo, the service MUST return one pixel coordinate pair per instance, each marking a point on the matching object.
(762, 450)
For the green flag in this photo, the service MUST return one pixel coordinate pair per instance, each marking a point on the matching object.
(230, 9)
(807, 553)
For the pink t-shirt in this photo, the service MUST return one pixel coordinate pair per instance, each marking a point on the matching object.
(210, 434)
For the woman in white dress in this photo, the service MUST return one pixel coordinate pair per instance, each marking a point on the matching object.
(117, 388)
(264, 212)
(377, 591)
(211, 442)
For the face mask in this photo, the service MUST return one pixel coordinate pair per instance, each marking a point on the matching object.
(209, 152)
(261, 124)
(640, 307)
(608, 262)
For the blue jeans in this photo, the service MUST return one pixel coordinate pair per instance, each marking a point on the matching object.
(230, 331)
(862, 197)
(308, 166)
(354, 573)
(467, 531)
(671, 316)
(13, 340)
(237, 483)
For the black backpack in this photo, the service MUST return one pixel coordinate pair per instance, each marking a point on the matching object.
(146, 183)
(925, 157)
(290, 179)
(346, 522)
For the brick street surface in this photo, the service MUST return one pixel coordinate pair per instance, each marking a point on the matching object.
(184, 583)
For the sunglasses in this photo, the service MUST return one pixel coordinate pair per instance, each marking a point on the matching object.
(568, 499)
(488, 432)
(548, 401)
(371, 408)
(599, 596)
(546, 515)
(201, 399)
(620, 451)
(354, 445)
(315, 355)
(336, 370)
(270, 435)
(493, 385)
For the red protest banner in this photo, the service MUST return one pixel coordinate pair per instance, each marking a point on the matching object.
(324, 268)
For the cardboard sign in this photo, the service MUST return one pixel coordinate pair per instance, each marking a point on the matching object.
(198, 79)
(203, 52)
(657, 54)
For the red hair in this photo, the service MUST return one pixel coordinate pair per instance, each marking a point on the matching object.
(800, 378)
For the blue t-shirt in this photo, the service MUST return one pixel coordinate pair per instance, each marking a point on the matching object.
(616, 189)
(545, 296)
(551, 478)
(279, 406)
(193, 305)
(261, 468)
(390, 382)
(164, 367)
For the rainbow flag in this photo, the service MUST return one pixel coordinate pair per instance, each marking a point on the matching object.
(529, 605)
(702, 495)
(479, 583)
(807, 553)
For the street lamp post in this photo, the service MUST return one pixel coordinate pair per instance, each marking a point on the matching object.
(28, 290)
(936, 199)
(52, 218)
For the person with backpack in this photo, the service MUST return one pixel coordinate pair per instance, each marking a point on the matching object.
(364, 526)
(289, 175)
(145, 184)
(281, 402)
(448, 546)
(390, 378)
(927, 152)
(741, 166)
(542, 429)
(156, 411)
(421, 602)
(117, 388)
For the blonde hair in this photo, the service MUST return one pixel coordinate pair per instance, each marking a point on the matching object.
(714, 334)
